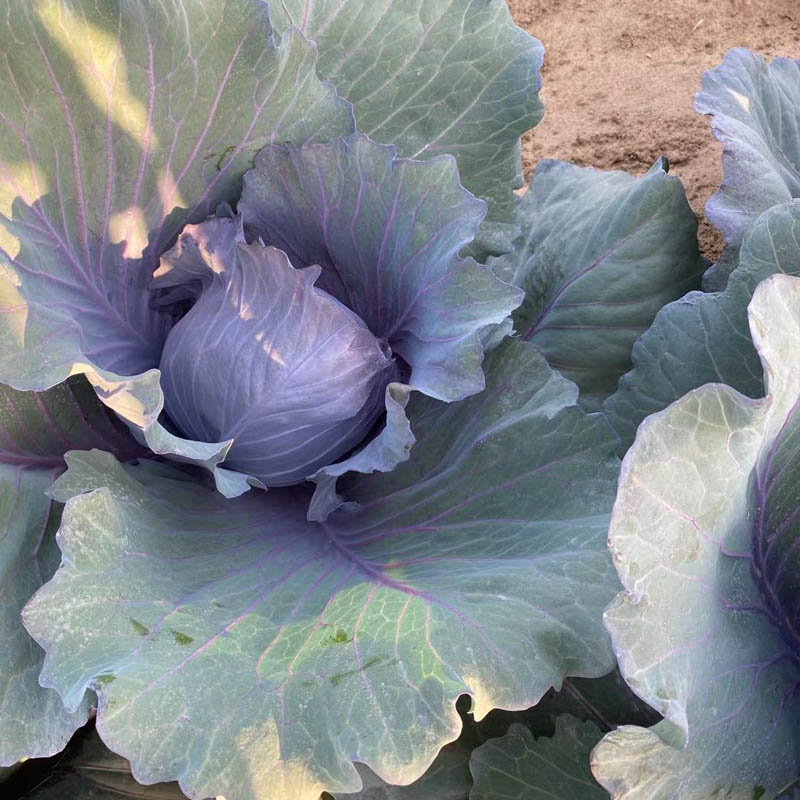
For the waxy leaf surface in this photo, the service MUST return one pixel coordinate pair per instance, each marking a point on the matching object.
(704, 336)
(704, 535)
(598, 254)
(519, 767)
(433, 77)
(476, 567)
(754, 109)
(35, 431)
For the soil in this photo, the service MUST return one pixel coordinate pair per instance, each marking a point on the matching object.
(620, 76)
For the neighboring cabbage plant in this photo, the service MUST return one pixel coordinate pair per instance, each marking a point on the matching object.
(286, 484)
(705, 528)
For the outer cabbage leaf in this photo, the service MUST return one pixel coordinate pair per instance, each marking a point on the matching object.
(122, 122)
(703, 535)
(382, 454)
(139, 401)
(598, 255)
(265, 359)
(35, 430)
(434, 77)
(755, 116)
(34, 720)
(605, 701)
(256, 655)
(704, 337)
(519, 767)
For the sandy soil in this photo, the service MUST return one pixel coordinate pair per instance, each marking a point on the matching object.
(620, 77)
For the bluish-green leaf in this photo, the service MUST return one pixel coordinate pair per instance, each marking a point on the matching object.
(33, 720)
(386, 233)
(253, 654)
(35, 430)
(519, 767)
(598, 254)
(706, 631)
(704, 337)
(433, 77)
(755, 115)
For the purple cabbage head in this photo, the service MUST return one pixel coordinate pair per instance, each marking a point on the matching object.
(265, 358)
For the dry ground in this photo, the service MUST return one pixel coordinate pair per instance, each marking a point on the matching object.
(620, 77)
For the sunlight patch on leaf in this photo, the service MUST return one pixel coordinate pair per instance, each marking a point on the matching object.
(101, 67)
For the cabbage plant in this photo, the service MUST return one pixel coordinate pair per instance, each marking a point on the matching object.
(704, 530)
(305, 424)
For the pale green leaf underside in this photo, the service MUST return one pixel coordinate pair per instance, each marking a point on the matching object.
(704, 337)
(599, 253)
(691, 630)
(519, 767)
(433, 77)
(256, 655)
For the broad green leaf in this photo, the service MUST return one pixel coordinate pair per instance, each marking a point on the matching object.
(35, 430)
(121, 122)
(598, 255)
(433, 77)
(256, 655)
(704, 337)
(519, 767)
(703, 535)
(605, 701)
(754, 107)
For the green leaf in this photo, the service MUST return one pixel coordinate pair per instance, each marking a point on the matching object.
(121, 122)
(35, 430)
(754, 107)
(33, 720)
(433, 77)
(704, 337)
(257, 655)
(519, 767)
(706, 630)
(599, 254)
